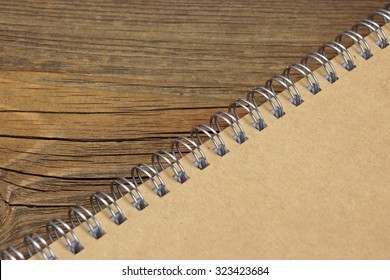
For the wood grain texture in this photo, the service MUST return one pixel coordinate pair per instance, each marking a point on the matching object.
(90, 88)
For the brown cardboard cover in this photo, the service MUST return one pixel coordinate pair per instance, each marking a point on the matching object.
(313, 185)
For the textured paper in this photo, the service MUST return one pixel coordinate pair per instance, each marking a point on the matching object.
(313, 185)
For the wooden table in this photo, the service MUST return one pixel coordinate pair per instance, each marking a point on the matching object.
(90, 88)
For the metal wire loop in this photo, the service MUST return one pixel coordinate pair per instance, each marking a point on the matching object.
(359, 40)
(32, 243)
(314, 84)
(296, 98)
(11, 253)
(373, 27)
(79, 213)
(331, 74)
(123, 184)
(200, 160)
(219, 145)
(180, 174)
(349, 63)
(252, 110)
(61, 229)
(159, 186)
(239, 133)
(277, 109)
(99, 198)
(381, 13)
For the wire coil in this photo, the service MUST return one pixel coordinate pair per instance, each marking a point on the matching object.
(79, 212)
(331, 75)
(163, 159)
(61, 229)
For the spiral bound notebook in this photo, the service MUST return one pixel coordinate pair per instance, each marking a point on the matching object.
(303, 176)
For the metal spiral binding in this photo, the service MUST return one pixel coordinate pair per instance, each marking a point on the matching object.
(158, 165)
(373, 27)
(220, 147)
(296, 98)
(358, 39)
(124, 184)
(252, 110)
(349, 63)
(99, 198)
(382, 13)
(277, 107)
(239, 134)
(163, 159)
(331, 74)
(61, 229)
(11, 253)
(78, 211)
(314, 84)
(200, 159)
(159, 186)
(32, 241)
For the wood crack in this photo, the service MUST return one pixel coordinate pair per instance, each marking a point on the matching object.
(91, 140)
(56, 177)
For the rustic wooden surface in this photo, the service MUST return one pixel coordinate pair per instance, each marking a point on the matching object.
(90, 88)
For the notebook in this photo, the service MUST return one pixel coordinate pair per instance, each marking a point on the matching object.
(302, 176)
